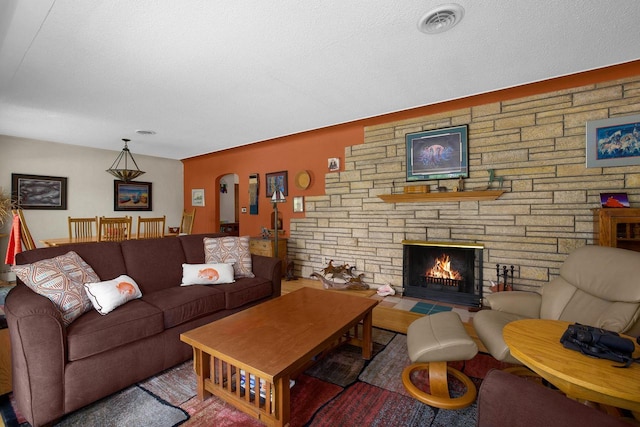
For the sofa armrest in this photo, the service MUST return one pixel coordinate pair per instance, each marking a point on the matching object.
(507, 400)
(522, 303)
(269, 268)
(38, 351)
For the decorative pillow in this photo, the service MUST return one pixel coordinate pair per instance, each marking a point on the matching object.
(206, 274)
(109, 295)
(229, 250)
(61, 280)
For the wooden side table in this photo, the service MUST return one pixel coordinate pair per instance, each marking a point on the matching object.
(266, 247)
(5, 362)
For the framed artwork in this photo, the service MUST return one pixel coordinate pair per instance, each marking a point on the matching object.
(254, 188)
(197, 197)
(39, 192)
(298, 204)
(277, 181)
(613, 142)
(614, 200)
(333, 164)
(131, 196)
(437, 154)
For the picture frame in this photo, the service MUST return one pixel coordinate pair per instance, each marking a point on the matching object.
(132, 196)
(614, 200)
(276, 181)
(438, 154)
(298, 204)
(39, 191)
(197, 197)
(333, 163)
(613, 142)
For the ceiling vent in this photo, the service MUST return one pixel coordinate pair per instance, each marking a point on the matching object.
(441, 19)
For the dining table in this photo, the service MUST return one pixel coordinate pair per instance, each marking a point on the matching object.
(60, 241)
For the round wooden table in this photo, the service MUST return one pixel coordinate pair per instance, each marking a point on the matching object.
(536, 343)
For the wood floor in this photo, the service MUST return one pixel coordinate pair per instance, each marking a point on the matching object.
(383, 317)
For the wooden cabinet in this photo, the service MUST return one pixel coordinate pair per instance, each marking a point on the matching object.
(266, 247)
(617, 227)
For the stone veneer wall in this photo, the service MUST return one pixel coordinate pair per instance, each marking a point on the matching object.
(537, 144)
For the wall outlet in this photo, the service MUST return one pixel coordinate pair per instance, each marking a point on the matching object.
(243, 210)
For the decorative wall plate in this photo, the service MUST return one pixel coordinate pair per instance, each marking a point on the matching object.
(302, 180)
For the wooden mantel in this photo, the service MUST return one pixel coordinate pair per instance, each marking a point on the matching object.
(460, 196)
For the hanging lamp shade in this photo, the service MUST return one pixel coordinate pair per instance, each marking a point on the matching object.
(124, 173)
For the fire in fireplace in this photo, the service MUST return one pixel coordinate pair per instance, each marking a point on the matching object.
(440, 271)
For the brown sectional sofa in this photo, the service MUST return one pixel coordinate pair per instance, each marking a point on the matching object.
(57, 370)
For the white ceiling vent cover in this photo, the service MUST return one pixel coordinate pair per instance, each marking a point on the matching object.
(440, 19)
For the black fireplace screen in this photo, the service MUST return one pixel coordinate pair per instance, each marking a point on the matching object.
(448, 272)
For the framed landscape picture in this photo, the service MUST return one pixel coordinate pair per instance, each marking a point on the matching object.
(39, 192)
(437, 154)
(132, 196)
(613, 142)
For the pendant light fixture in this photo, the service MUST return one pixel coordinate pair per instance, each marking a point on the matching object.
(125, 174)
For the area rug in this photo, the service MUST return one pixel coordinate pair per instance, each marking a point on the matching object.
(341, 389)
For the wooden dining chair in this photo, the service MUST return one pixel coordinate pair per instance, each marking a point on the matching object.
(114, 229)
(151, 228)
(186, 224)
(25, 235)
(83, 228)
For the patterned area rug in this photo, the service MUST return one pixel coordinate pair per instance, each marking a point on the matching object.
(342, 389)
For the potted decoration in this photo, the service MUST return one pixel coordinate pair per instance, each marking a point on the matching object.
(5, 207)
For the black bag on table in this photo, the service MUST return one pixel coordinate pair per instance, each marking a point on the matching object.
(599, 343)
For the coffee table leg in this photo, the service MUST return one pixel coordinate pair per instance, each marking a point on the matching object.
(367, 339)
(284, 399)
(202, 365)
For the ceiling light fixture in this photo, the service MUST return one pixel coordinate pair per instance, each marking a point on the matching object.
(125, 174)
(146, 132)
(441, 19)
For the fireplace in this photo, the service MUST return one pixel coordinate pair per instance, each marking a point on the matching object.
(443, 271)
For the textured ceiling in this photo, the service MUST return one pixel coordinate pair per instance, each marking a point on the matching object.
(210, 75)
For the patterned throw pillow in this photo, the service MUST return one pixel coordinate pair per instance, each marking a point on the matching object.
(60, 279)
(111, 294)
(229, 250)
(206, 274)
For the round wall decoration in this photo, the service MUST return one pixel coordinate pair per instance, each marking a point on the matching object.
(302, 180)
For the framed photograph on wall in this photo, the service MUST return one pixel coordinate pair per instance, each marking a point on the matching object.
(39, 192)
(131, 196)
(614, 200)
(613, 142)
(437, 154)
(298, 204)
(277, 181)
(197, 197)
(333, 163)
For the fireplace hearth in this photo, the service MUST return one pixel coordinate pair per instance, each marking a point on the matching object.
(443, 271)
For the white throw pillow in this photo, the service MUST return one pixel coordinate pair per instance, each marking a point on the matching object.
(109, 295)
(230, 250)
(206, 274)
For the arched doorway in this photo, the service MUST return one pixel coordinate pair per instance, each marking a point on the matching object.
(229, 204)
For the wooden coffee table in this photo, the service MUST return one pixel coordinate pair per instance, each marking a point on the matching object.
(536, 343)
(272, 343)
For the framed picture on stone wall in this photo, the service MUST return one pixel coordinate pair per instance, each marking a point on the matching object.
(613, 142)
(438, 154)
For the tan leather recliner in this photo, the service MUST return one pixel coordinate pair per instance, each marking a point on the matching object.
(597, 286)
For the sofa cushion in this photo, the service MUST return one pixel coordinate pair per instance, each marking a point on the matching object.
(60, 279)
(183, 304)
(93, 333)
(206, 274)
(104, 258)
(245, 290)
(230, 250)
(193, 246)
(155, 264)
(108, 295)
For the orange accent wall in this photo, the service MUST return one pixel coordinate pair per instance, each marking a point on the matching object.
(310, 151)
